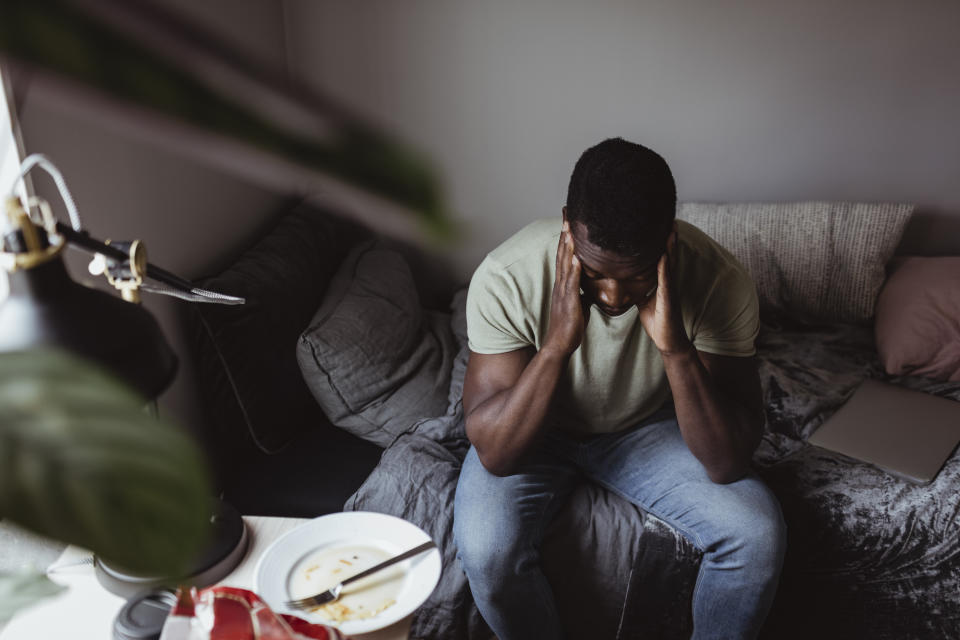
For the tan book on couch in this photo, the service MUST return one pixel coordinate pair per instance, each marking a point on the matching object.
(908, 433)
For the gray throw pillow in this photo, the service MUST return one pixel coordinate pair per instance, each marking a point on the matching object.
(815, 260)
(374, 360)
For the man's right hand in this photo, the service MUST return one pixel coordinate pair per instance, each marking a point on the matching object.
(568, 318)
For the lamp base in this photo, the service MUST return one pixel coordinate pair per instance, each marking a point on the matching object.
(222, 555)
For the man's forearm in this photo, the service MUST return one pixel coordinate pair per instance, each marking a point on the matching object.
(721, 432)
(506, 425)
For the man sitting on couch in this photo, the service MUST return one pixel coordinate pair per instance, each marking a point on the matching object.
(617, 347)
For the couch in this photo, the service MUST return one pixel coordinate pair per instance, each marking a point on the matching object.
(338, 387)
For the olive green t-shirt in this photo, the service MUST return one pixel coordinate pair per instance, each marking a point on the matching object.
(616, 377)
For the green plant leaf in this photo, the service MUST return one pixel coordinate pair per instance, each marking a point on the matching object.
(82, 462)
(19, 590)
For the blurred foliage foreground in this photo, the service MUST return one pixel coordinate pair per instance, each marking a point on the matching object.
(70, 41)
(81, 461)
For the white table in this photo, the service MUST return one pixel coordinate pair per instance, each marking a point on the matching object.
(85, 610)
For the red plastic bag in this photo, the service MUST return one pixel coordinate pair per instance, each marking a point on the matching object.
(226, 613)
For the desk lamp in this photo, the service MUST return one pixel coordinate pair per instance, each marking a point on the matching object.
(46, 308)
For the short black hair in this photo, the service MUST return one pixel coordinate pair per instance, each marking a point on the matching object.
(625, 195)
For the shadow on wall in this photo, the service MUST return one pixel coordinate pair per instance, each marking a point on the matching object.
(931, 231)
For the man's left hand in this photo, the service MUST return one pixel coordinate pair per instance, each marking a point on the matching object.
(661, 317)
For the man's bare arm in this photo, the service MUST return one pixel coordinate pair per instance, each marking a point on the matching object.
(718, 398)
(507, 396)
(719, 409)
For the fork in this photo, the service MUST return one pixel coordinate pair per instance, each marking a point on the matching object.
(333, 593)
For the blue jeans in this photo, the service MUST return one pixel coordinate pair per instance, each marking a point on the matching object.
(500, 522)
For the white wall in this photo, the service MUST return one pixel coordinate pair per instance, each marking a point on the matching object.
(747, 100)
(9, 150)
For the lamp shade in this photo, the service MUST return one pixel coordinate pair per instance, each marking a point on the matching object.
(46, 308)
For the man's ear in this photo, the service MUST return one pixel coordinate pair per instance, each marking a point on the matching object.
(564, 213)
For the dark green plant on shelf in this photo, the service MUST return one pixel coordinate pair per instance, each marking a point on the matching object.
(82, 462)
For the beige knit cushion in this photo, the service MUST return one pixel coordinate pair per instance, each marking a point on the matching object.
(815, 260)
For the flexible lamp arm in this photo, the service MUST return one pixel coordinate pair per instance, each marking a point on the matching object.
(170, 284)
(82, 240)
(174, 285)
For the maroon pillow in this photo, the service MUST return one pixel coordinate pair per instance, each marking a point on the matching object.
(918, 318)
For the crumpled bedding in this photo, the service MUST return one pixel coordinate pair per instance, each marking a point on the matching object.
(869, 555)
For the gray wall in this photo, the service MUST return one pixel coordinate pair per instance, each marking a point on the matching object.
(747, 100)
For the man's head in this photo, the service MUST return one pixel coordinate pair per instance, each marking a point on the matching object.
(621, 205)
(624, 194)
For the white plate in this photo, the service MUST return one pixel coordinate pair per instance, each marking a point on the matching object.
(388, 534)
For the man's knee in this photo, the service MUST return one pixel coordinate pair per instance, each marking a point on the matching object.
(474, 544)
(766, 535)
(753, 533)
(482, 536)
(487, 550)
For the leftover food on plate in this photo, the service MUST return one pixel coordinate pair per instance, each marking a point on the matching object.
(319, 546)
(329, 565)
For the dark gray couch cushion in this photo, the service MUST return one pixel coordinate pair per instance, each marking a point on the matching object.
(374, 360)
(249, 380)
(258, 413)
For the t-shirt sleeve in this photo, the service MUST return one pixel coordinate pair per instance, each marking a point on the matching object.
(730, 319)
(494, 312)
